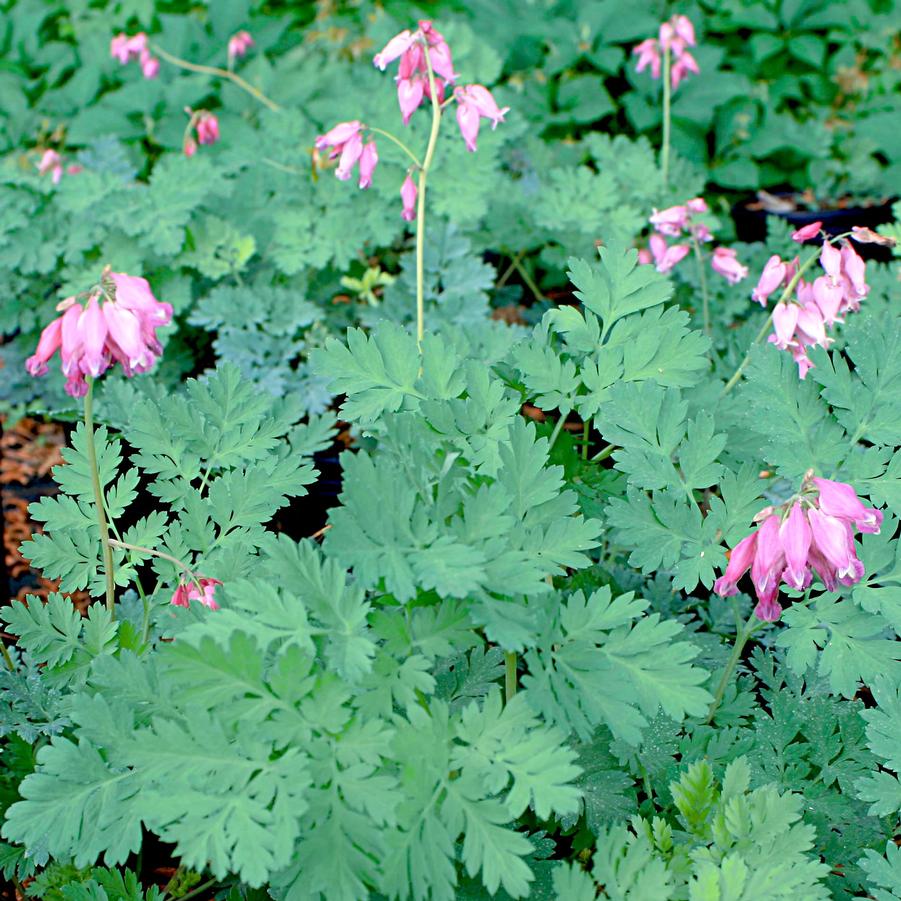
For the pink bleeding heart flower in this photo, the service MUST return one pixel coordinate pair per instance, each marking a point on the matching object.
(337, 136)
(697, 205)
(121, 328)
(125, 48)
(207, 128)
(785, 320)
(831, 261)
(410, 92)
(740, 559)
(408, 193)
(795, 537)
(840, 500)
(835, 542)
(684, 29)
(396, 47)
(202, 589)
(682, 67)
(806, 232)
(468, 120)
(811, 328)
(648, 52)
(854, 269)
(666, 257)
(770, 279)
(368, 161)
(725, 262)
(645, 257)
(671, 221)
(350, 153)
(51, 162)
(48, 344)
(828, 297)
(189, 146)
(239, 44)
(475, 102)
(150, 65)
(812, 533)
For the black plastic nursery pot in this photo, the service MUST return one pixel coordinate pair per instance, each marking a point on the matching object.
(750, 217)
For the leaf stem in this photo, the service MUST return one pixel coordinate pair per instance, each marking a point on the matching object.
(7, 657)
(420, 209)
(586, 427)
(557, 429)
(702, 277)
(667, 93)
(399, 142)
(603, 454)
(766, 326)
(741, 639)
(509, 675)
(531, 284)
(146, 550)
(219, 73)
(98, 499)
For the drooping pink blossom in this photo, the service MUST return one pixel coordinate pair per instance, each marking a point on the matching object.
(725, 262)
(675, 36)
(51, 162)
(840, 499)
(831, 261)
(697, 205)
(189, 146)
(369, 159)
(125, 48)
(682, 67)
(344, 141)
(150, 65)
(117, 324)
(648, 52)
(350, 154)
(770, 279)
(671, 221)
(239, 44)
(397, 46)
(812, 534)
(202, 589)
(408, 193)
(207, 128)
(667, 256)
(854, 270)
(468, 120)
(336, 136)
(806, 232)
(785, 320)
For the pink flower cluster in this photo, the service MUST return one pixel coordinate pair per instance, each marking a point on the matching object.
(239, 44)
(52, 162)
(675, 37)
(207, 127)
(345, 142)
(813, 533)
(201, 589)
(801, 321)
(425, 47)
(119, 329)
(418, 51)
(125, 49)
(675, 221)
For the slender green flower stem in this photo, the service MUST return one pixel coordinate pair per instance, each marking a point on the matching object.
(667, 94)
(789, 288)
(557, 429)
(603, 454)
(702, 276)
(98, 499)
(531, 284)
(741, 639)
(586, 427)
(200, 888)
(398, 141)
(420, 209)
(146, 550)
(6, 657)
(509, 675)
(218, 73)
